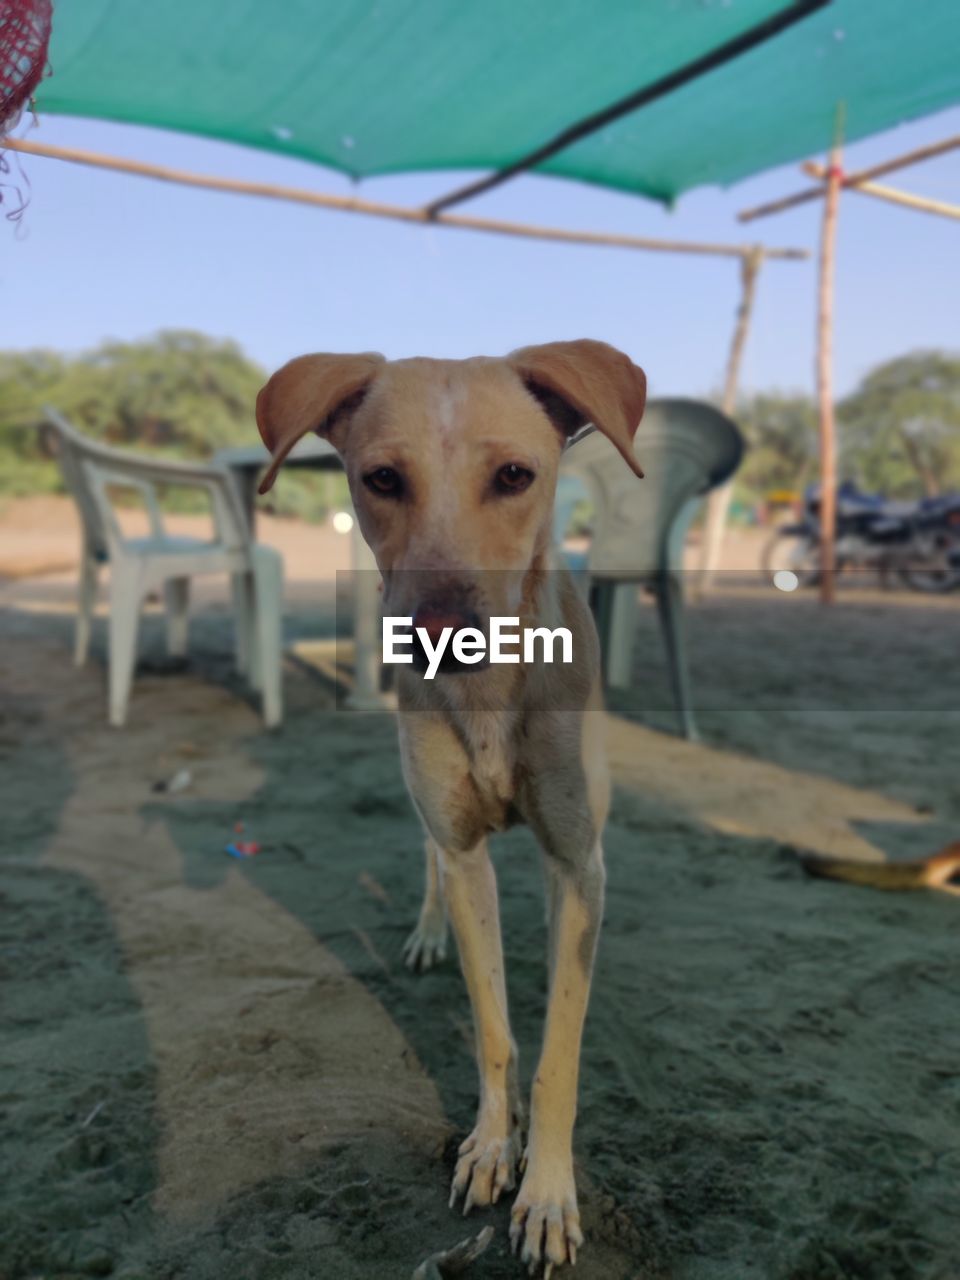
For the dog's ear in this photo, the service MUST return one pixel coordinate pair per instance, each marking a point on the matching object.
(586, 381)
(310, 393)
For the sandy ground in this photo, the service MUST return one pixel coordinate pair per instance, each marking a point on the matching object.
(213, 1068)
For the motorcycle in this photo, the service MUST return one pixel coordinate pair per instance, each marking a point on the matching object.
(919, 541)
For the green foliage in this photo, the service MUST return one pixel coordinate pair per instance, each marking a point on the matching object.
(900, 430)
(184, 394)
(897, 434)
(781, 434)
(178, 394)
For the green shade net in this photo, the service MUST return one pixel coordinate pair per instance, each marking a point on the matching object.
(382, 86)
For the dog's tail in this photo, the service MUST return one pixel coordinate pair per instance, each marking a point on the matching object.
(918, 873)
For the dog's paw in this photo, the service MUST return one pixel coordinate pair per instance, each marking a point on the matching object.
(545, 1221)
(427, 945)
(486, 1167)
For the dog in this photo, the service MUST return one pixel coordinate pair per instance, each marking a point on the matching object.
(452, 466)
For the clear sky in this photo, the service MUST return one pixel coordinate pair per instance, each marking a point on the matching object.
(102, 255)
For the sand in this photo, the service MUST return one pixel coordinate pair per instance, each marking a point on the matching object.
(218, 1068)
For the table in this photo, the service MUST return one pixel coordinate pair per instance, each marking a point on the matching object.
(246, 463)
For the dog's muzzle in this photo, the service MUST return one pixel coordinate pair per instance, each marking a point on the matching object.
(434, 618)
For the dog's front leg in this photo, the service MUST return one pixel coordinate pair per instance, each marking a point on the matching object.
(438, 776)
(488, 1158)
(428, 943)
(545, 1222)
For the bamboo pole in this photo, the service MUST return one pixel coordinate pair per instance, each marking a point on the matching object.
(828, 447)
(767, 29)
(853, 179)
(922, 203)
(351, 204)
(718, 504)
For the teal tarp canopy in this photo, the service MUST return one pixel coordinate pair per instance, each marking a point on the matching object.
(381, 86)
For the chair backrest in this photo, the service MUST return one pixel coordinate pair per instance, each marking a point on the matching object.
(686, 448)
(72, 447)
(92, 470)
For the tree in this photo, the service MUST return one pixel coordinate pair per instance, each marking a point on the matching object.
(902, 426)
(781, 435)
(177, 390)
(177, 393)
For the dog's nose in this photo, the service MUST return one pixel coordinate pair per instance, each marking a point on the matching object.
(434, 618)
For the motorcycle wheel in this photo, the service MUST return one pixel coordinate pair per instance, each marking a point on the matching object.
(797, 553)
(939, 573)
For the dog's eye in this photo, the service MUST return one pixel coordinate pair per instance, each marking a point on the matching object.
(384, 481)
(513, 478)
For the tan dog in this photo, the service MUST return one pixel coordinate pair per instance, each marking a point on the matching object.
(452, 466)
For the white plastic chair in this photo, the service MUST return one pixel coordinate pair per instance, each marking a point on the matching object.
(686, 448)
(141, 565)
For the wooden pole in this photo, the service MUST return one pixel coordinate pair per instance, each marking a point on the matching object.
(828, 446)
(718, 504)
(721, 55)
(351, 204)
(922, 203)
(895, 196)
(853, 179)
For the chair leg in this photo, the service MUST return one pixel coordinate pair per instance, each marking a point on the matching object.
(86, 599)
(268, 610)
(125, 600)
(598, 602)
(670, 606)
(242, 588)
(621, 633)
(176, 595)
(366, 694)
(254, 648)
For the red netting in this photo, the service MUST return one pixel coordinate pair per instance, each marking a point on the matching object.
(24, 36)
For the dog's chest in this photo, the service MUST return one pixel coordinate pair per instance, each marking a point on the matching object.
(488, 739)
